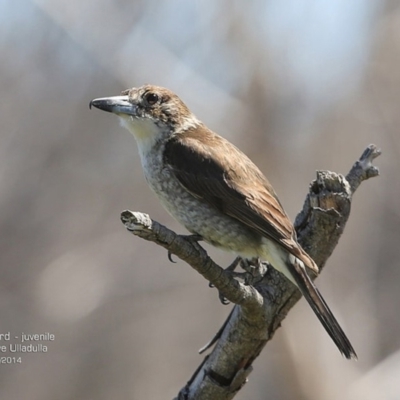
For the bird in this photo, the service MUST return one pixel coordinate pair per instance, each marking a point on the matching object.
(215, 191)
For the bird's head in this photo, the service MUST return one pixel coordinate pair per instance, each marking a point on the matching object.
(149, 112)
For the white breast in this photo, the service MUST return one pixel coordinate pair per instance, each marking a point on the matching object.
(144, 130)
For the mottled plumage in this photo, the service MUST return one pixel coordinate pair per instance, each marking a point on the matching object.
(215, 190)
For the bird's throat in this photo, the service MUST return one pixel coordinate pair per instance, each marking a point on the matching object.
(144, 130)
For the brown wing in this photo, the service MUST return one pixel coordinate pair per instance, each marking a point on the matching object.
(211, 168)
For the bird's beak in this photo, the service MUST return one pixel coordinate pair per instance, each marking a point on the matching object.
(116, 105)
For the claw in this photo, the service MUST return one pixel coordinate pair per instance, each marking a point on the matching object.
(170, 257)
(223, 299)
(191, 238)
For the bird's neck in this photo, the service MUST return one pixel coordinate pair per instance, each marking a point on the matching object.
(187, 122)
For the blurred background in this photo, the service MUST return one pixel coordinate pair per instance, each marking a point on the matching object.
(298, 85)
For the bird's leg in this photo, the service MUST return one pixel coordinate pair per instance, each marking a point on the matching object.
(230, 270)
(194, 239)
(234, 264)
(255, 270)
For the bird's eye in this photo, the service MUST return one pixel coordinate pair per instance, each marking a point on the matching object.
(151, 98)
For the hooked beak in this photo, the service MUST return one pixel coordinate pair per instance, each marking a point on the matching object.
(115, 104)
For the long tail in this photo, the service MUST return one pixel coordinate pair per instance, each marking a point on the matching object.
(320, 308)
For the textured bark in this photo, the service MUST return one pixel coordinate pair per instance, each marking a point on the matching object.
(259, 310)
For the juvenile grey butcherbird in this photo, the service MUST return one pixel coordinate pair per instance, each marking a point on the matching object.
(216, 191)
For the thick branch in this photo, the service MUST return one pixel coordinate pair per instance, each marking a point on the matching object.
(260, 310)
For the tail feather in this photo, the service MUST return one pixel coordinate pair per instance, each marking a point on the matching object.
(321, 309)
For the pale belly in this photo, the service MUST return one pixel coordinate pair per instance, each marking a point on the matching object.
(200, 218)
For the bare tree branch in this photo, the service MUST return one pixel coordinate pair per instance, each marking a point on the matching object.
(259, 310)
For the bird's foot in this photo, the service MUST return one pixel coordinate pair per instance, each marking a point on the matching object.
(194, 239)
(254, 269)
